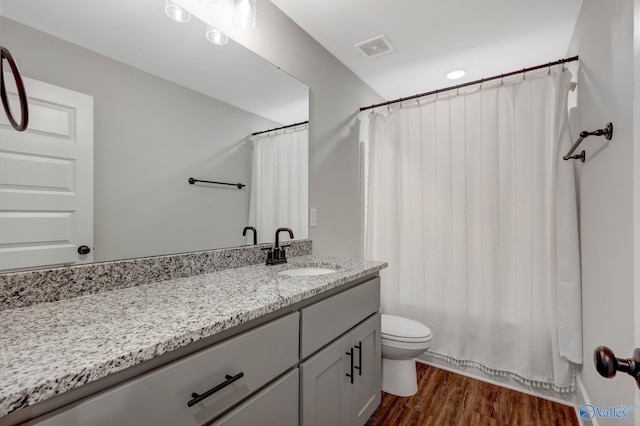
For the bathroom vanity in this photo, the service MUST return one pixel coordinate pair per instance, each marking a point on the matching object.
(234, 347)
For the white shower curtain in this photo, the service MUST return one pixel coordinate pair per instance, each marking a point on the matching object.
(474, 209)
(280, 184)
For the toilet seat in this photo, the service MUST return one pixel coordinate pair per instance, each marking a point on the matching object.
(404, 330)
(405, 340)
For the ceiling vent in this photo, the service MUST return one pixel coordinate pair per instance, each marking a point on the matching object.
(375, 47)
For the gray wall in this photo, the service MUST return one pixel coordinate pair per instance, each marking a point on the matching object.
(335, 96)
(150, 135)
(604, 40)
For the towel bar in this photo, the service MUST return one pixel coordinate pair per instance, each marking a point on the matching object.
(607, 132)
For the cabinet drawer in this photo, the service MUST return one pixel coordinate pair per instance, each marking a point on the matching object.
(328, 319)
(275, 405)
(160, 397)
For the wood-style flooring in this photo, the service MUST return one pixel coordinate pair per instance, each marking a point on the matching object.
(446, 398)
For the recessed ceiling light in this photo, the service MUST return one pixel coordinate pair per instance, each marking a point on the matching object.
(456, 74)
(175, 12)
(216, 36)
(245, 14)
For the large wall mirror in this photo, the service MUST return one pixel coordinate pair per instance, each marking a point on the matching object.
(165, 104)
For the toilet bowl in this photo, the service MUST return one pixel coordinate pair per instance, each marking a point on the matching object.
(402, 341)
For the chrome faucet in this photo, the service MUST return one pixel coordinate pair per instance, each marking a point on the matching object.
(255, 233)
(277, 255)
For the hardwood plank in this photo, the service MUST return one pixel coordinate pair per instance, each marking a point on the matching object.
(445, 398)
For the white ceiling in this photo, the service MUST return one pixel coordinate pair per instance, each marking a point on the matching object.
(139, 33)
(431, 37)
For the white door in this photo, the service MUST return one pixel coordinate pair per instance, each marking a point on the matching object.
(46, 180)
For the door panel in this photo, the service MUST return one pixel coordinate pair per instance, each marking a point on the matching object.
(325, 389)
(46, 180)
(37, 172)
(366, 392)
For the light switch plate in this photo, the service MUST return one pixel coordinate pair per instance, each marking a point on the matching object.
(313, 217)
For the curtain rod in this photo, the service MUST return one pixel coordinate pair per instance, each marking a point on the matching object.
(280, 128)
(471, 83)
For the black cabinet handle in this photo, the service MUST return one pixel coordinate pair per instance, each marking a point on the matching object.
(84, 250)
(359, 366)
(350, 353)
(230, 379)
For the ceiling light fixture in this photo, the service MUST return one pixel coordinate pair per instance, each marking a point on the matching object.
(216, 36)
(245, 14)
(456, 74)
(175, 12)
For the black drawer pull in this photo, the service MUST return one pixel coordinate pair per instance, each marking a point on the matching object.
(230, 379)
(359, 366)
(350, 353)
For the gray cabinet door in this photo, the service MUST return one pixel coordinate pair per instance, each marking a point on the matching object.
(325, 388)
(366, 390)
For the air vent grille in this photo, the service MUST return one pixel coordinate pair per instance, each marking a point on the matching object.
(375, 47)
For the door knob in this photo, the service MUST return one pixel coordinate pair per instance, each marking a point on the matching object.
(84, 250)
(608, 365)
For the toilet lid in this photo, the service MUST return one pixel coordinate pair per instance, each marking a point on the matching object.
(404, 329)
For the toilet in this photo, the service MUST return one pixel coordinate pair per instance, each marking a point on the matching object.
(402, 341)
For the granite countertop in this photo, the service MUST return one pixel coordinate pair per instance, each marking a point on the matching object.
(49, 348)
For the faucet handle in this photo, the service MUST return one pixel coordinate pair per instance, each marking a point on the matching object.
(269, 254)
(283, 254)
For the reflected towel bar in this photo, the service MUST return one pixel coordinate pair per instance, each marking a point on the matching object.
(239, 185)
(607, 132)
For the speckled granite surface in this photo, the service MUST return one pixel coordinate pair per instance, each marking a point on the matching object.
(50, 348)
(21, 289)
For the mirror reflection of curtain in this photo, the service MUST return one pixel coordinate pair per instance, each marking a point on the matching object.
(280, 184)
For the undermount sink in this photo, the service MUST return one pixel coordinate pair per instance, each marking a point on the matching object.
(307, 271)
